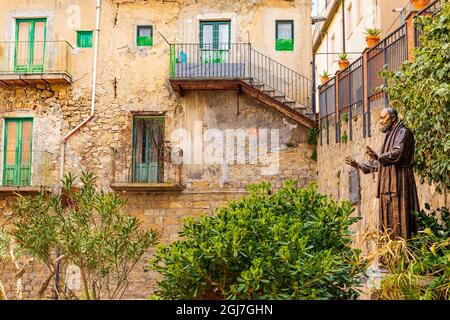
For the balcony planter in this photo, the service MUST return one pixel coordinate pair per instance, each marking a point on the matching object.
(343, 61)
(372, 41)
(324, 79)
(419, 5)
(372, 37)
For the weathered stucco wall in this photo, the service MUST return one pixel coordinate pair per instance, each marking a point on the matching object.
(333, 174)
(141, 77)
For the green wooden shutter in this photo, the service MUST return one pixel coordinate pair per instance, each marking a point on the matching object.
(84, 39)
(215, 51)
(284, 42)
(144, 36)
(29, 55)
(148, 150)
(17, 152)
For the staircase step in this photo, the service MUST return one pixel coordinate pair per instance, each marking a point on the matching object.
(268, 90)
(289, 103)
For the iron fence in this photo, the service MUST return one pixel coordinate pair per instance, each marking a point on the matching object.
(165, 167)
(327, 97)
(389, 54)
(351, 94)
(25, 168)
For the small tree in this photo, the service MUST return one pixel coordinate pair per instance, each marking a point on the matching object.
(293, 244)
(421, 92)
(89, 230)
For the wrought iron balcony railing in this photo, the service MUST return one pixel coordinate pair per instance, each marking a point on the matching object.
(22, 168)
(24, 61)
(193, 61)
(139, 170)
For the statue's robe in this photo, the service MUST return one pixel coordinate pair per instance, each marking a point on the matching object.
(396, 185)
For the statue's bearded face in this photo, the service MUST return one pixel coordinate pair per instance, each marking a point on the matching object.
(386, 121)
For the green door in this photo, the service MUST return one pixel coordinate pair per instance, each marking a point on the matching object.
(30, 45)
(148, 150)
(214, 41)
(17, 157)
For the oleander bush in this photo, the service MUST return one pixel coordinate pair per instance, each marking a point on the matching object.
(292, 244)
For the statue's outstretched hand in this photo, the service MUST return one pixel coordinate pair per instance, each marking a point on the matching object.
(371, 154)
(349, 160)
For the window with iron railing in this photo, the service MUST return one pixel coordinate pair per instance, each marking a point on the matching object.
(148, 149)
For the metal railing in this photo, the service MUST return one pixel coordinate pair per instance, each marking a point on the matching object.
(238, 61)
(280, 78)
(164, 168)
(35, 57)
(327, 96)
(21, 168)
(351, 93)
(389, 54)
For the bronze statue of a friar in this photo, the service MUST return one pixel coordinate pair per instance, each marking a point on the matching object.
(396, 187)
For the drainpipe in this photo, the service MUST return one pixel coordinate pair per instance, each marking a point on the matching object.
(94, 85)
(91, 115)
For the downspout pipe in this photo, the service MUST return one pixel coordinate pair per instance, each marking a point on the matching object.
(93, 91)
(91, 115)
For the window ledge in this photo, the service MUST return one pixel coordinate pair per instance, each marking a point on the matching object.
(23, 189)
(145, 187)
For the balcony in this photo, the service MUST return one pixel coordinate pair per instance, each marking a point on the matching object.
(30, 63)
(137, 171)
(25, 171)
(239, 67)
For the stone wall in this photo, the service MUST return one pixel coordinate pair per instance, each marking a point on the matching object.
(333, 173)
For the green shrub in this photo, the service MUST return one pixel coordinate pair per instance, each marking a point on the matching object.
(293, 244)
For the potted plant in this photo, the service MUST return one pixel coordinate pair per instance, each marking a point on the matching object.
(373, 36)
(324, 77)
(343, 61)
(419, 5)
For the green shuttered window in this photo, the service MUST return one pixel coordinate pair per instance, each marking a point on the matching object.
(30, 45)
(84, 39)
(17, 152)
(144, 36)
(148, 149)
(284, 30)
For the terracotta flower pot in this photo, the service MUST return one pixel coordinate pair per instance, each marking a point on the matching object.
(372, 41)
(324, 80)
(420, 4)
(343, 64)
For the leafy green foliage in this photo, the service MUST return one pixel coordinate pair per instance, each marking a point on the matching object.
(4, 245)
(342, 56)
(89, 228)
(421, 92)
(372, 32)
(419, 269)
(313, 134)
(325, 74)
(293, 244)
(344, 137)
